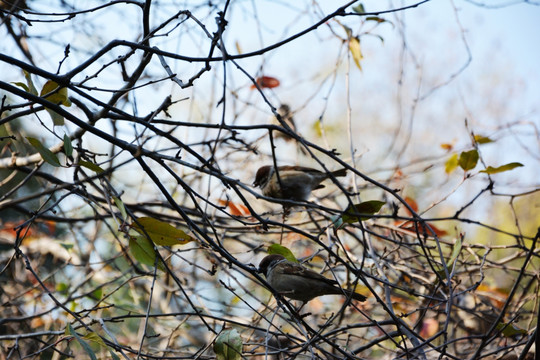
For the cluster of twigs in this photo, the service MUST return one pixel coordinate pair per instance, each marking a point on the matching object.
(74, 279)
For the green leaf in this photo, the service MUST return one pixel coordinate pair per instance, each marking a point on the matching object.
(161, 233)
(502, 168)
(97, 294)
(31, 88)
(45, 153)
(451, 164)
(86, 347)
(57, 119)
(362, 211)
(482, 139)
(348, 30)
(468, 159)
(21, 84)
(282, 250)
(113, 355)
(455, 252)
(509, 330)
(68, 147)
(142, 250)
(359, 9)
(228, 345)
(354, 47)
(375, 18)
(91, 166)
(120, 205)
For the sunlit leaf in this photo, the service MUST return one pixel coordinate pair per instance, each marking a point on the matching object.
(451, 164)
(317, 127)
(412, 203)
(468, 159)
(354, 47)
(57, 95)
(95, 341)
(362, 211)
(510, 330)
(90, 166)
(228, 345)
(359, 9)
(86, 347)
(502, 168)
(45, 153)
(68, 147)
(161, 233)
(236, 209)
(282, 250)
(482, 139)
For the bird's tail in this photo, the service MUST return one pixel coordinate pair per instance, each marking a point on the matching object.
(340, 173)
(355, 295)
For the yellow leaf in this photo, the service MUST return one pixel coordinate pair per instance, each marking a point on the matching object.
(58, 97)
(451, 163)
(354, 47)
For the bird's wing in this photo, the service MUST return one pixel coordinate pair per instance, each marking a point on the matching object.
(299, 169)
(297, 269)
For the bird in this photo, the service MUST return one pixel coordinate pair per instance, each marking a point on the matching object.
(294, 183)
(287, 120)
(296, 282)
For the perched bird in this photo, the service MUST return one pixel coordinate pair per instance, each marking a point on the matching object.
(284, 111)
(294, 183)
(294, 281)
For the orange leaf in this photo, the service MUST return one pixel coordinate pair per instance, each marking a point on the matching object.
(409, 226)
(266, 82)
(236, 209)
(447, 146)
(429, 328)
(412, 203)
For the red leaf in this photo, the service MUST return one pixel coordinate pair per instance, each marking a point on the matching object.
(266, 82)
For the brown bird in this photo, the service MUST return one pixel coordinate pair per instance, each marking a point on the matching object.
(297, 182)
(296, 282)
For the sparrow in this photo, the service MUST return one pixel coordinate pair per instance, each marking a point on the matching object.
(284, 111)
(296, 282)
(297, 182)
